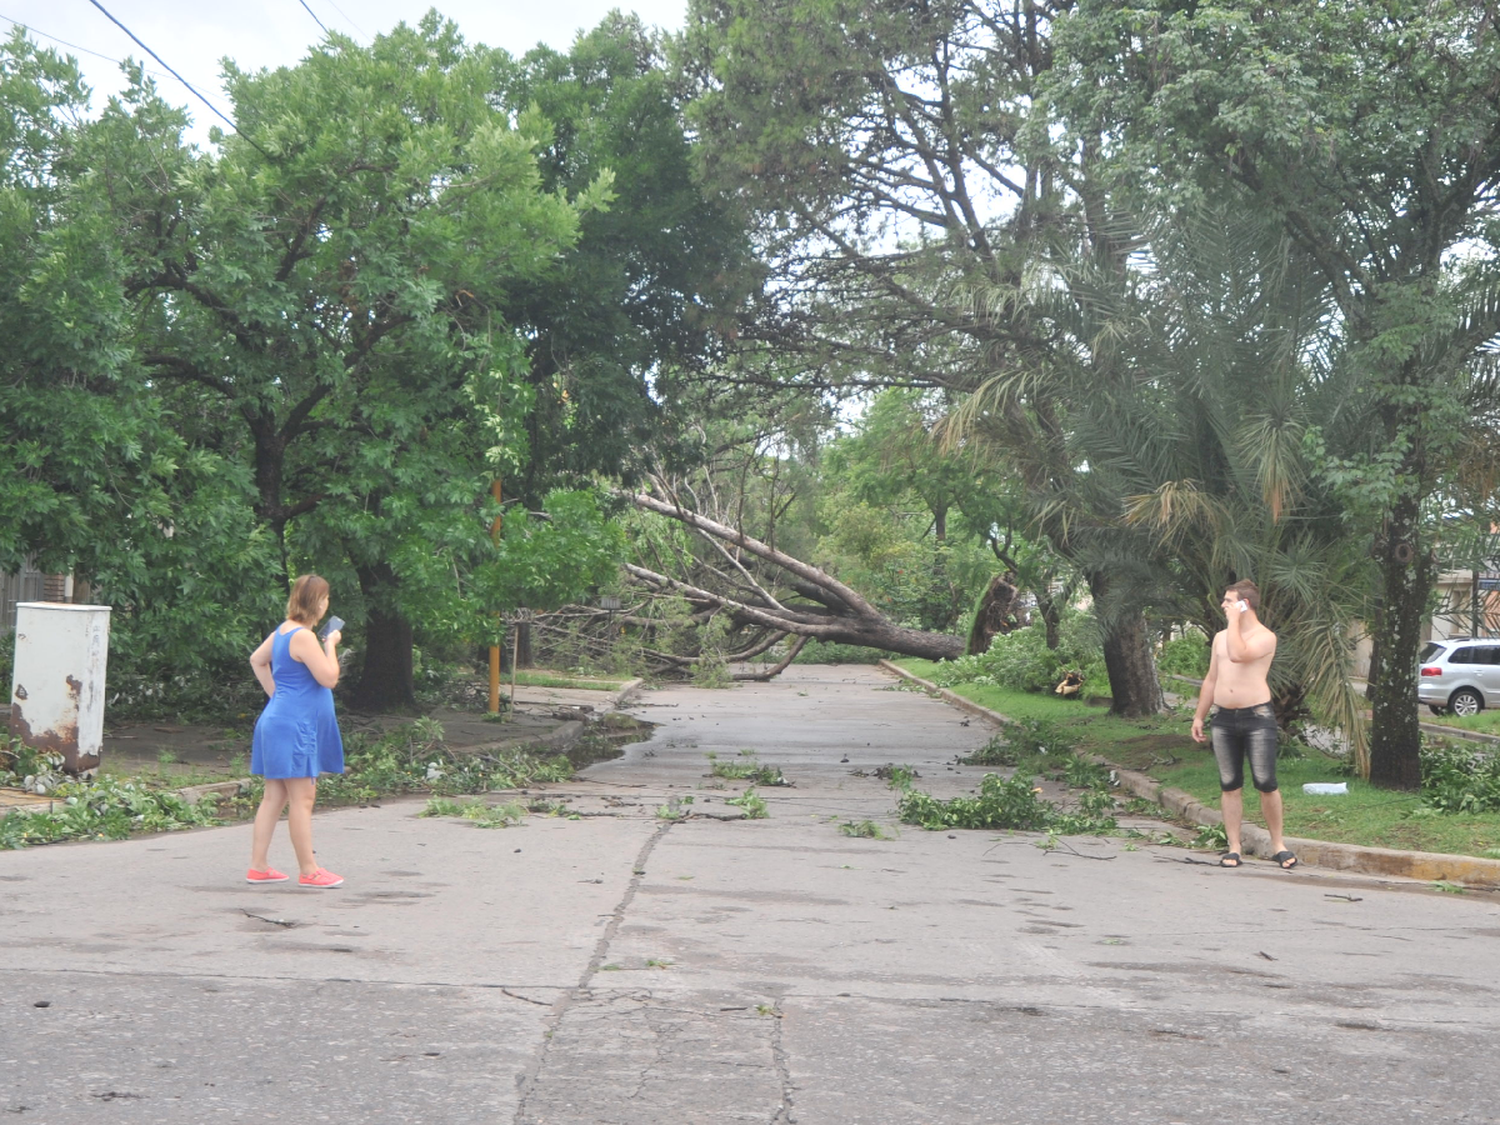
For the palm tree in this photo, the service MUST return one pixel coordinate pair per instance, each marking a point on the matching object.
(1164, 431)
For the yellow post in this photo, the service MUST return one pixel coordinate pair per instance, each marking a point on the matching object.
(495, 649)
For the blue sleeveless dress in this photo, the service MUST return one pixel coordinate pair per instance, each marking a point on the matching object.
(296, 735)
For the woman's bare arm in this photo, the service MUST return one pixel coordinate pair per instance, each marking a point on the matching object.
(260, 664)
(322, 660)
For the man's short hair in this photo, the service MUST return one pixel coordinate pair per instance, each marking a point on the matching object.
(1246, 591)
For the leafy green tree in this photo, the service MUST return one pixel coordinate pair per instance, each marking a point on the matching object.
(360, 311)
(105, 478)
(649, 291)
(323, 298)
(894, 455)
(1222, 339)
(882, 145)
(925, 522)
(1368, 132)
(554, 557)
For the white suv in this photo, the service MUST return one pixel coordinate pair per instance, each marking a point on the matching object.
(1460, 675)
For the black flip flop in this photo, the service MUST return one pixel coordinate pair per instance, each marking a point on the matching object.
(1281, 858)
(1225, 857)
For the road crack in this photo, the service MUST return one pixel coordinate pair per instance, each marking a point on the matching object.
(560, 1009)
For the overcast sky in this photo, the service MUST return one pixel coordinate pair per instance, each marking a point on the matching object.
(193, 35)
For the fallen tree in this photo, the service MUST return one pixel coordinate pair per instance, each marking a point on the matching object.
(774, 595)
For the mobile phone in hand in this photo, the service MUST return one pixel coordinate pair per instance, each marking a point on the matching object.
(1239, 605)
(332, 625)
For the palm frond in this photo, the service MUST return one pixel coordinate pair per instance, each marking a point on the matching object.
(1172, 507)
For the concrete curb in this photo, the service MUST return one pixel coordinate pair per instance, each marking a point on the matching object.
(1429, 867)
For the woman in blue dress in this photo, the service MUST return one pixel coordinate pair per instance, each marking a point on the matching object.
(296, 736)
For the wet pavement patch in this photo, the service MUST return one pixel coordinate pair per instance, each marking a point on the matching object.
(606, 738)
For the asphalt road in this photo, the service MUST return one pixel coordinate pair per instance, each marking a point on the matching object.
(621, 967)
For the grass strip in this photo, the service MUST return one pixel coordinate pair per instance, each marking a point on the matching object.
(535, 677)
(1486, 722)
(1161, 747)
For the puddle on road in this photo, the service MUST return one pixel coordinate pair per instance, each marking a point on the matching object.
(606, 739)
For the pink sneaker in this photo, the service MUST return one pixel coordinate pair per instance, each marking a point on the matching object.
(269, 875)
(320, 878)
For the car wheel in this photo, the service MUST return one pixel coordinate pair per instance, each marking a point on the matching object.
(1466, 701)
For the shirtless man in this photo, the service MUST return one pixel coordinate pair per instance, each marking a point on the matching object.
(1244, 724)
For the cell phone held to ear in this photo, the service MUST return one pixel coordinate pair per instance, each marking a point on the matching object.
(1241, 606)
(332, 625)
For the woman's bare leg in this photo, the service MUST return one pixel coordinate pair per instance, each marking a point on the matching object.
(271, 804)
(301, 793)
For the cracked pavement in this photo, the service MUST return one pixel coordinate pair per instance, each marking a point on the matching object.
(624, 968)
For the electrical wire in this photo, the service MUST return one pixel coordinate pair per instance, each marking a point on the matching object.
(181, 79)
(38, 31)
(314, 15)
(347, 20)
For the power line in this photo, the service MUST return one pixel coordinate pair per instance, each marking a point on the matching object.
(181, 79)
(314, 15)
(347, 20)
(64, 42)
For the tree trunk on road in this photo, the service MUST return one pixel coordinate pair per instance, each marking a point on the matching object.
(828, 611)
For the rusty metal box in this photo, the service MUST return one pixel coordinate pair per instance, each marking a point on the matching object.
(57, 690)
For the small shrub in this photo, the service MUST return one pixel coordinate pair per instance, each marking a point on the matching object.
(752, 802)
(1211, 836)
(442, 806)
(750, 771)
(675, 809)
(1184, 656)
(1096, 803)
(733, 771)
(1039, 736)
(105, 809)
(26, 767)
(998, 751)
(1034, 745)
(413, 758)
(770, 776)
(1012, 803)
(897, 777)
(1084, 774)
(477, 812)
(711, 671)
(1021, 660)
(1458, 779)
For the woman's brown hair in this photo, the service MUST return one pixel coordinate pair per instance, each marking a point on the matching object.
(305, 605)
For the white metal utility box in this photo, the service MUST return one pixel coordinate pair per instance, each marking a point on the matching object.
(57, 688)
